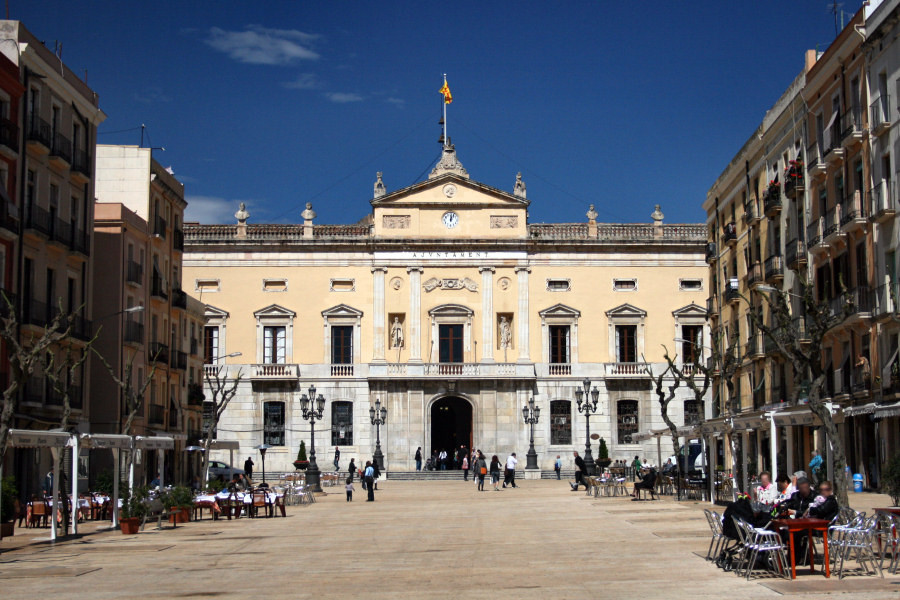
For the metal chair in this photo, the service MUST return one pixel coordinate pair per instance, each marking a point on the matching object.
(715, 526)
(762, 540)
(859, 542)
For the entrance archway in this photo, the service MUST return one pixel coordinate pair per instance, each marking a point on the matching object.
(451, 426)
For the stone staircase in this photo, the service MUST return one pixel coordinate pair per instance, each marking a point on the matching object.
(457, 475)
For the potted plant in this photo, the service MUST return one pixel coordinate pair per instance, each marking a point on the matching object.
(8, 506)
(301, 463)
(182, 498)
(603, 459)
(134, 509)
(890, 480)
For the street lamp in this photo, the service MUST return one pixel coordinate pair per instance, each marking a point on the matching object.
(378, 415)
(262, 450)
(531, 414)
(587, 407)
(312, 407)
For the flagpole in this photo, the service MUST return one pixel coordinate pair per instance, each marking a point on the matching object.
(446, 139)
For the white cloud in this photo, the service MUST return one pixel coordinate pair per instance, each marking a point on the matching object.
(151, 95)
(343, 97)
(304, 81)
(212, 209)
(264, 46)
(398, 102)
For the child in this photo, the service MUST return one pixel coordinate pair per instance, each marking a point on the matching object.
(349, 489)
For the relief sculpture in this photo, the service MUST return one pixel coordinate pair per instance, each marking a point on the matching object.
(450, 284)
(504, 222)
(395, 221)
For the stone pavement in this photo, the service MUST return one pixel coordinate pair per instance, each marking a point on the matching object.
(419, 540)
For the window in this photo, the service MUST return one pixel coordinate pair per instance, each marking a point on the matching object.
(560, 422)
(692, 343)
(274, 344)
(693, 412)
(204, 285)
(559, 344)
(209, 413)
(274, 285)
(450, 343)
(690, 285)
(559, 285)
(341, 423)
(627, 420)
(210, 344)
(273, 423)
(343, 285)
(624, 285)
(342, 345)
(626, 343)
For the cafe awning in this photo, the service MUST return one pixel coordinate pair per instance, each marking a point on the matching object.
(154, 442)
(855, 411)
(223, 445)
(888, 410)
(27, 438)
(104, 440)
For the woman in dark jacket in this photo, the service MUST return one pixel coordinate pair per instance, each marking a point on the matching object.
(495, 472)
(352, 470)
(828, 508)
(377, 471)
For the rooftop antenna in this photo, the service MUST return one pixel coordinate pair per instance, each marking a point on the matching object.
(142, 134)
(834, 9)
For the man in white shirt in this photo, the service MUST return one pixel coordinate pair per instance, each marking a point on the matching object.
(510, 478)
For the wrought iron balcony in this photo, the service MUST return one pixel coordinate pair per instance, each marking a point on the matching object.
(178, 239)
(9, 217)
(712, 306)
(159, 287)
(772, 201)
(159, 352)
(711, 254)
(815, 156)
(883, 199)
(40, 132)
(751, 212)
(729, 233)
(794, 182)
(179, 298)
(159, 227)
(732, 291)
(881, 115)
(851, 127)
(795, 251)
(774, 267)
(81, 162)
(9, 135)
(156, 414)
(134, 272)
(754, 275)
(134, 332)
(853, 212)
(885, 298)
(61, 148)
(178, 360)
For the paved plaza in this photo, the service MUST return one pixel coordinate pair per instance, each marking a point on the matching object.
(420, 539)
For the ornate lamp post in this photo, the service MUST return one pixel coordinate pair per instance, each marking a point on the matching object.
(262, 451)
(312, 408)
(587, 407)
(378, 415)
(531, 414)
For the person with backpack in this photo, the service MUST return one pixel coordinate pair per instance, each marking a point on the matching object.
(480, 470)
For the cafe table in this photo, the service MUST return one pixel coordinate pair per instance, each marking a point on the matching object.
(808, 525)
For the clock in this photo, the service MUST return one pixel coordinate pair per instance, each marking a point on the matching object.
(450, 219)
(449, 190)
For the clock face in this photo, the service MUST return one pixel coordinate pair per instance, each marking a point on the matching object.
(450, 219)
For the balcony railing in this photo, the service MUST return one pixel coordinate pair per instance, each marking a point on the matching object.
(159, 288)
(795, 251)
(851, 125)
(40, 131)
(772, 201)
(159, 227)
(754, 274)
(815, 156)
(39, 219)
(134, 332)
(751, 212)
(627, 369)
(794, 182)
(853, 211)
(159, 352)
(815, 233)
(711, 255)
(274, 372)
(342, 370)
(464, 370)
(883, 198)
(9, 217)
(81, 241)
(885, 298)
(9, 134)
(81, 162)
(560, 369)
(774, 267)
(729, 233)
(134, 272)
(178, 360)
(61, 148)
(881, 114)
(179, 298)
(832, 221)
(178, 239)
(712, 305)
(156, 414)
(195, 347)
(732, 291)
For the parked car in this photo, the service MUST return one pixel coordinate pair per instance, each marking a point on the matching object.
(218, 469)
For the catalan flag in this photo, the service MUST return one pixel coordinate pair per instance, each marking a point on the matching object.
(448, 97)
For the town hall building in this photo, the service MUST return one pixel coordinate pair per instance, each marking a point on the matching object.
(453, 310)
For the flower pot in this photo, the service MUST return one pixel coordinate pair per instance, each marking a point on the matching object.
(183, 516)
(130, 525)
(603, 462)
(7, 529)
(301, 465)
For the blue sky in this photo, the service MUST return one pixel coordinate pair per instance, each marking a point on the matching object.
(622, 105)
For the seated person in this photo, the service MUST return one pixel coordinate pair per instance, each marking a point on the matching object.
(800, 501)
(825, 505)
(647, 482)
(765, 492)
(237, 485)
(785, 488)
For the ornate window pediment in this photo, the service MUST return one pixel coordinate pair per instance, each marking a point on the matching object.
(342, 310)
(274, 311)
(451, 311)
(211, 312)
(625, 311)
(560, 311)
(691, 311)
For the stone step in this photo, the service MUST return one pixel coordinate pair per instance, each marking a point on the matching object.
(457, 474)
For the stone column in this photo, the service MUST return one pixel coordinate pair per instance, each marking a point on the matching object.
(415, 314)
(378, 317)
(487, 314)
(522, 316)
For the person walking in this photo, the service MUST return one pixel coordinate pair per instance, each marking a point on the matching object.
(419, 458)
(349, 489)
(369, 479)
(510, 478)
(557, 466)
(337, 458)
(815, 467)
(495, 472)
(248, 468)
(636, 468)
(465, 468)
(579, 473)
(376, 472)
(352, 469)
(480, 470)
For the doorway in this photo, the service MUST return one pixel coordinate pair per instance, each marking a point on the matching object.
(451, 426)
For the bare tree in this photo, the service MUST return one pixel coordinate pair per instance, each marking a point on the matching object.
(664, 397)
(27, 354)
(799, 342)
(222, 390)
(132, 393)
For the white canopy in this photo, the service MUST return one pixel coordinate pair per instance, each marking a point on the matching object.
(104, 440)
(27, 438)
(154, 442)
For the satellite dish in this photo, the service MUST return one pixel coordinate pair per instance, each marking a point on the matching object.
(595, 436)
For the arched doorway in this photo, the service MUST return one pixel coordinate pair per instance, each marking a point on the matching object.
(451, 426)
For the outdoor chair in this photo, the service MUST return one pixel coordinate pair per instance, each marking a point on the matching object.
(887, 532)
(756, 541)
(858, 543)
(258, 500)
(619, 488)
(40, 513)
(715, 526)
(279, 506)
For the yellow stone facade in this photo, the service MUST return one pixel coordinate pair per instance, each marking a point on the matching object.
(444, 301)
